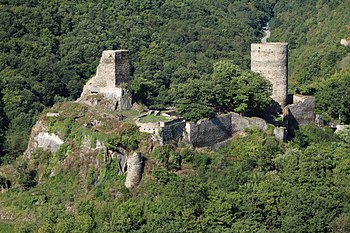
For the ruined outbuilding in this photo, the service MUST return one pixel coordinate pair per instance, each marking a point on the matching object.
(109, 88)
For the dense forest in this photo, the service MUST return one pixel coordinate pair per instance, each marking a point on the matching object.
(318, 64)
(50, 48)
(182, 53)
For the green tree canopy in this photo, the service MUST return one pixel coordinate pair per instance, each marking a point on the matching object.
(228, 88)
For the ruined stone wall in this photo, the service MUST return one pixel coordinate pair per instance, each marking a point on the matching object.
(208, 133)
(111, 82)
(271, 61)
(240, 123)
(172, 130)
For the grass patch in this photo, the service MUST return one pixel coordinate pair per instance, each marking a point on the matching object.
(152, 119)
(5, 227)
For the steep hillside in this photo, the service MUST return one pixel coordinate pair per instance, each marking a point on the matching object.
(313, 30)
(254, 184)
(94, 170)
(48, 49)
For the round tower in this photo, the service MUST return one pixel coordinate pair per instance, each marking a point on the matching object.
(271, 61)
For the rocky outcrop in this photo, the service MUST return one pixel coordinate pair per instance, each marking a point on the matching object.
(109, 88)
(280, 133)
(341, 128)
(134, 170)
(41, 138)
(345, 42)
(301, 112)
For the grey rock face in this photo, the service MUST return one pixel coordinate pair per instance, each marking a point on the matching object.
(41, 138)
(340, 128)
(301, 112)
(49, 141)
(280, 133)
(134, 170)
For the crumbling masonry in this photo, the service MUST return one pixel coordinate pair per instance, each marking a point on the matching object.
(109, 88)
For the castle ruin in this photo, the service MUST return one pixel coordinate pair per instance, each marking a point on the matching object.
(271, 61)
(109, 88)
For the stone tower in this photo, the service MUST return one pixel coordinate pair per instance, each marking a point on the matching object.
(113, 69)
(271, 61)
(109, 88)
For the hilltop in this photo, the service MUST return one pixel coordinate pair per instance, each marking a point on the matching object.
(103, 164)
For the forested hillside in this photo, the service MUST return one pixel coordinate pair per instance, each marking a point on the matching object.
(313, 32)
(50, 48)
(193, 54)
(255, 184)
(318, 63)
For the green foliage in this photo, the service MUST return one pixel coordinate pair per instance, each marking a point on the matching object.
(63, 151)
(129, 138)
(64, 126)
(228, 88)
(4, 227)
(152, 118)
(168, 157)
(25, 176)
(312, 134)
(332, 97)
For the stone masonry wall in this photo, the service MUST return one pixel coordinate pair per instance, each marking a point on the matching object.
(209, 132)
(111, 82)
(206, 133)
(271, 61)
(172, 130)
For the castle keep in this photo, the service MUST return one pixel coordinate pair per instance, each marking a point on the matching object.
(109, 88)
(271, 61)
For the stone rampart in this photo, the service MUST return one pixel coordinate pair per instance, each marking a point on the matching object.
(172, 130)
(207, 133)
